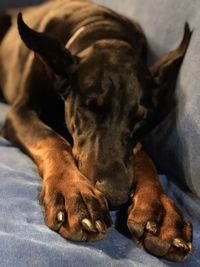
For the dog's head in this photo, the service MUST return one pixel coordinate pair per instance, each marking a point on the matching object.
(111, 100)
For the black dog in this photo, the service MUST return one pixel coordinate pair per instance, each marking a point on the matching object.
(80, 103)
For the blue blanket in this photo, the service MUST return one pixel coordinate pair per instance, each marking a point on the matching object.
(24, 238)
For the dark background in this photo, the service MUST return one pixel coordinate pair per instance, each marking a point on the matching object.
(16, 3)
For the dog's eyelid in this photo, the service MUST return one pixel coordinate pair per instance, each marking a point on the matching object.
(138, 113)
(98, 102)
(133, 111)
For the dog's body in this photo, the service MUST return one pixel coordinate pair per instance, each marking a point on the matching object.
(79, 106)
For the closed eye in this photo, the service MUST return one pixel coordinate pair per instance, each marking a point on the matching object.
(138, 121)
(91, 105)
(138, 126)
(135, 116)
(97, 105)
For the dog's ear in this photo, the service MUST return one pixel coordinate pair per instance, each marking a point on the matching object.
(48, 48)
(166, 68)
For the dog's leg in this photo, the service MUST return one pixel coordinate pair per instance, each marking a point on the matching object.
(155, 223)
(73, 207)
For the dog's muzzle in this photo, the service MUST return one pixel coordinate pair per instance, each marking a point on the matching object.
(114, 183)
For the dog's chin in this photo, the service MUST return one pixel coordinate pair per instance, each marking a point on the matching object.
(115, 198)
(118, 206)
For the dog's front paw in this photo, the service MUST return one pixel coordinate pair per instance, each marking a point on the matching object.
(159, 227)
(75, 209)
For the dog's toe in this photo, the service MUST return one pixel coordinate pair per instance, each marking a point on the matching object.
(156, 246)
(61, 217)
(79, 214)
(152, 227)
(100, 227)
(180, 243)
(87, 225)
(136, 229)
(169, 237)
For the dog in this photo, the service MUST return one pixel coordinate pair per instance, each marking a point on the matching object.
(82, 97)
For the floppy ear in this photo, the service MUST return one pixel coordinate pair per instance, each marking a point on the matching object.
(166, 68)
(5, 22)
(49, 49)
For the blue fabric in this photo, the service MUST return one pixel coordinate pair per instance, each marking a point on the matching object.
(24, 238)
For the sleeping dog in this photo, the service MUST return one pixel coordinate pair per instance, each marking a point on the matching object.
(82, 98)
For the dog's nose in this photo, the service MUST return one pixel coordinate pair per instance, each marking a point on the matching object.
(113, 182)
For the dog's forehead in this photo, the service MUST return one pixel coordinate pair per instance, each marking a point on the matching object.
(123, 88)
(106, 79)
